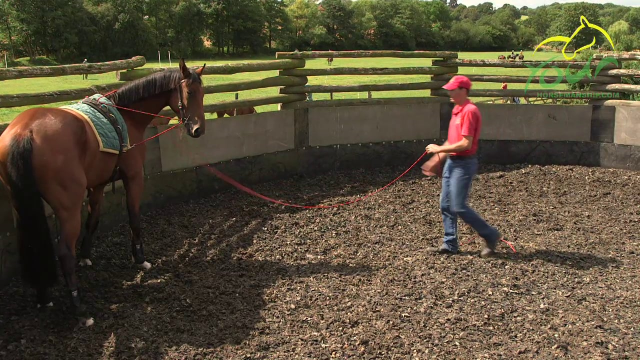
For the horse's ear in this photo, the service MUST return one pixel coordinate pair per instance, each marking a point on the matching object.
(584, 21)
(201, 70)
(186, 73)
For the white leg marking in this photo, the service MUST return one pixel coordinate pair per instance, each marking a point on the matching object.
(85, 262)
(50, 304)
(145, 266)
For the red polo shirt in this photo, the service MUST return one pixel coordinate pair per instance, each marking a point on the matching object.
(465, 121)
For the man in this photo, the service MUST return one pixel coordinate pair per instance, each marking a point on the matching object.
(459, 170)
(85, 76)
(504, 87)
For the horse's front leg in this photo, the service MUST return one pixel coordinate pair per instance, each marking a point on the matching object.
(95, 202)
(134, 185)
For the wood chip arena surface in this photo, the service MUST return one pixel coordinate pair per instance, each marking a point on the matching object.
(235, 277)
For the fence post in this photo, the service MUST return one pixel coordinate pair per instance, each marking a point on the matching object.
(455, 72)
(304, 80)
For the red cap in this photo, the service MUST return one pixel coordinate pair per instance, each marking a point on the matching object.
(458, 81)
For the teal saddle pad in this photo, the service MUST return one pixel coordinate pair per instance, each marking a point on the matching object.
(106, 134)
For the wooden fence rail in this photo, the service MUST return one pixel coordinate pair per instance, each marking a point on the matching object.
(225, 69)
(74, 69)
(243, 103)
(522, 64)
(292, 80)
(50, 97)
(361, 88)
(367, 54)
(531, 79)
(426, 70)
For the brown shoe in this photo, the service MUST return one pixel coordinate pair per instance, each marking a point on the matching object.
(487, 252)
(490, 249)
(440, 250)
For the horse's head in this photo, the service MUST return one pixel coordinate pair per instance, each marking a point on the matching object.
(189, 99)
(577, 36)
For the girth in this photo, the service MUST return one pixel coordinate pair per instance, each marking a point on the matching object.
(112, 120)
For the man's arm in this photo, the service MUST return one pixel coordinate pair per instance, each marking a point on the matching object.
(462, 145)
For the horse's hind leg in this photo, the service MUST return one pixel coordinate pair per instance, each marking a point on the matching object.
(95, 203)
(70, 226)
(66, 200)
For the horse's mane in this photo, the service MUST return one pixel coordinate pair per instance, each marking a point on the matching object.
(149, 86)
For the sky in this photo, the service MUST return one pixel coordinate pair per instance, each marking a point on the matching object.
(535, 3)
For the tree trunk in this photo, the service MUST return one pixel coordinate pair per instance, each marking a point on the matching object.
(11, 49)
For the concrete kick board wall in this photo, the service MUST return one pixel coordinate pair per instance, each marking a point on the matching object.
(627, 129)
(535, 122)
(227, 139)
(364, 124)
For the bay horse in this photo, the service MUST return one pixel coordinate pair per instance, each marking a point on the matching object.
(330, 61)
(53, 154)
(237, 111)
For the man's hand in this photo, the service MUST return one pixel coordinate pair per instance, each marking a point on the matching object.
(433, 148)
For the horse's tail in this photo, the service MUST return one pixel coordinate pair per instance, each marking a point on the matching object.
(37, 256)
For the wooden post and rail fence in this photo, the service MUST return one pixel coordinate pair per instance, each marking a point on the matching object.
(293, 78)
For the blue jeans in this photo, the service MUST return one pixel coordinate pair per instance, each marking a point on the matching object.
(456, 183)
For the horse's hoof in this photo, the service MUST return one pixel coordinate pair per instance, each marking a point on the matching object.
(86, 322)
(85, 262)
(144, 266)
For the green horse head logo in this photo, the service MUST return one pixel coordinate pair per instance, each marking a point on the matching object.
(583, 24)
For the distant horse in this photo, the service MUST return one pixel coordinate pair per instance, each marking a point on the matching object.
(329, 61)
(521, 57)
(502, 57)
(53, 154)
(237, 111)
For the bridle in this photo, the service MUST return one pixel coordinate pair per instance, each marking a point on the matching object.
(186, 120)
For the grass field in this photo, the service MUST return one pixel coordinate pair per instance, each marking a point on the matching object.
(70, 82)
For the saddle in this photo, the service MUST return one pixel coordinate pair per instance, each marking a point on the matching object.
(112, 120)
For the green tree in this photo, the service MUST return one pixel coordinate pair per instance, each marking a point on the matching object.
(161, 15)
(304, 17)
(187, 29)
(336, 16)
(7, 27)
(364, 23)
(633, 19)
(539, 21)
(568, 20)
(277, 20)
